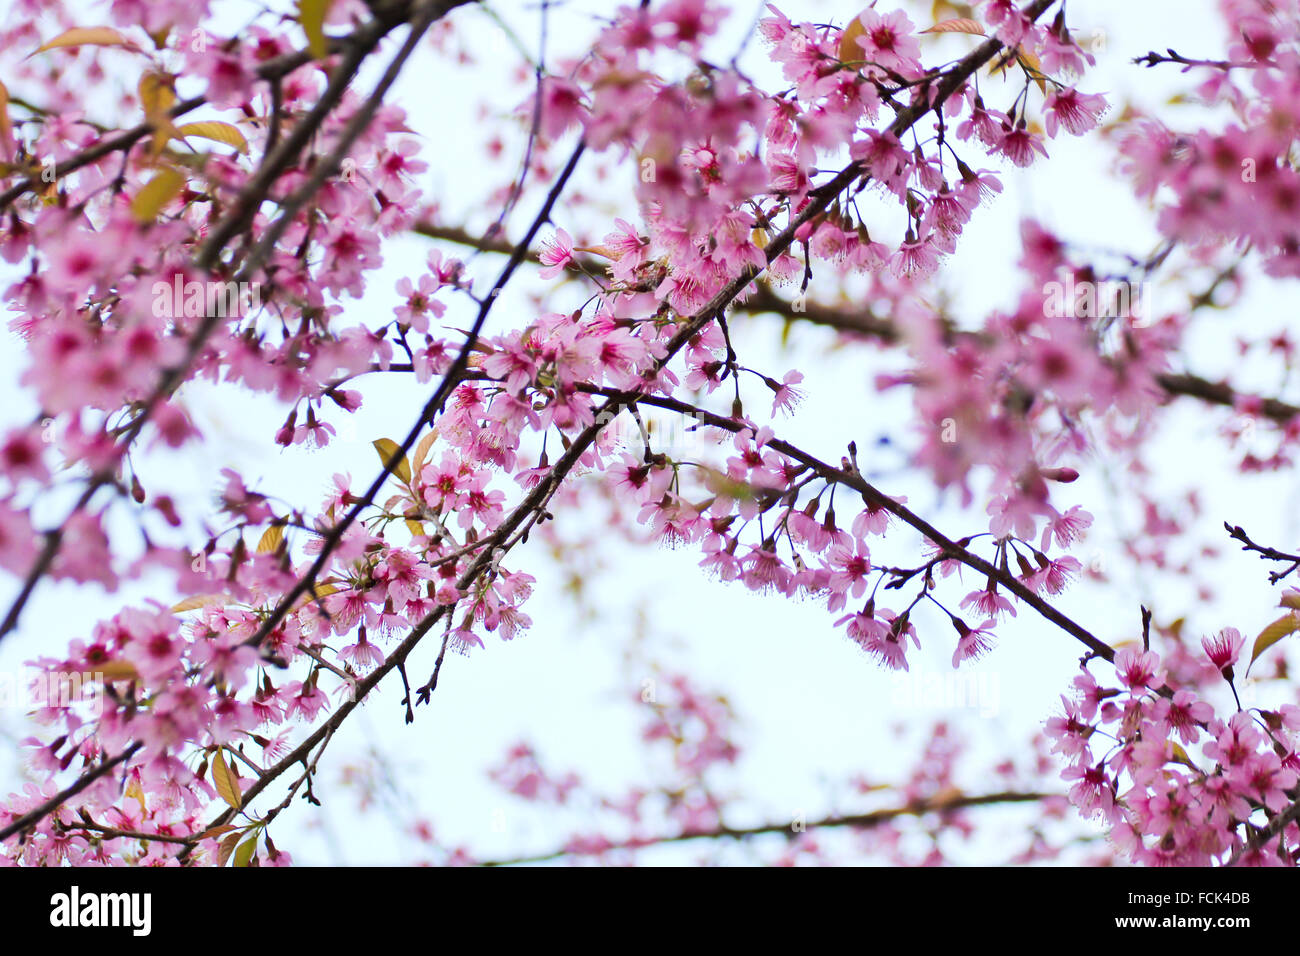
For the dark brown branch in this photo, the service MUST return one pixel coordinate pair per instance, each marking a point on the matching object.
(860, 821)
(863, 322)
(207, 257)
(81, 783)
(853, 479)
(1238, 533)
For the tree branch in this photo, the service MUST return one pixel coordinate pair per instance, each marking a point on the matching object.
(860, 821)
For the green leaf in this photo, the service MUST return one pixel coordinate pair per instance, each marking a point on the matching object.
(311, 14)
(224, 779)
(217, 132)
(6, 126)
(245, 852)
(388, 450)
(87, 36)
(1279, 629)
(155, 194)
(271, 539)
(196, 602)
(850, 51)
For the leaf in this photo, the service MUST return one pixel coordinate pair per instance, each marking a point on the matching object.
(322, 590)
(1180, 756)
(245, 852)
(1279, 629)
(114, 670)
(196, 602)
(271, 539)
(311, 14)
(217, 132)
(388, 450)
(157, 97)
(224, 779)
(227, 847)
(416, 529)
(211, 833)
(156, 94)
(87, 36)
(959, 25)
(850, 51)
(156, 193)
(1035, 68)
(422, 449)
(6, 127)
(940, 7)
(136, 792)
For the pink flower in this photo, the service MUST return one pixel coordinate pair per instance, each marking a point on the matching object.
(887, 41)
(1077, 112)
(1070, 732)
(915, 258)
(362, 655)
(988, 602)
(419, 302)
(1223, 649)
(784, 394)
(972, 642)
(1137, 669)
(556, 254)
(1018, 144)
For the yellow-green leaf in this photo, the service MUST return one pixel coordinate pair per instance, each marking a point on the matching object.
(156, 193)
(157, 97)
(416, 529)
(271, 539)
(389, 450)
(113, 670)
(318, 592)
(244, 854)
(224, 779)
(940, 7)
(217, 132)
(156, 94)
(86, 36)
(1279, 629)
(1180, 756)
(196, 602)
(957, 25)
(136, 792)
(850, 51)
(1031, 63)
(6, 128)
(311, 14)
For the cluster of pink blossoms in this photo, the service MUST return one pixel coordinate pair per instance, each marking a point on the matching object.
(710, 206)
(1174, 784)
(722, 169)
